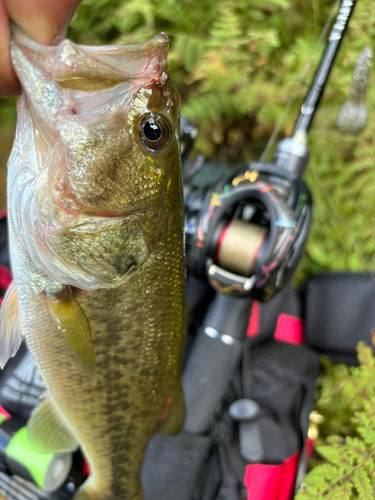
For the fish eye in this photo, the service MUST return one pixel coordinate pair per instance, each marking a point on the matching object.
(155, 132)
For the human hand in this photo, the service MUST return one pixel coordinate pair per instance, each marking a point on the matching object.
(44, 20)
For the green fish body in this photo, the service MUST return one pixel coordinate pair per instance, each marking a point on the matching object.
(95, 208)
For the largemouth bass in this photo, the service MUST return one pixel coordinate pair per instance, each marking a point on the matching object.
(96, 237)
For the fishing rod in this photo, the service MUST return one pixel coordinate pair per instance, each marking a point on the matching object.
(292, 153)
(315, 93)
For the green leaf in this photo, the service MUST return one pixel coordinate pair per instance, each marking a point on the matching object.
(365, 356)
(362, 484)
(336, 455)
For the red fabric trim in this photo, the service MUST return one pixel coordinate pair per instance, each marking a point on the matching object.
(289, 329)
(263, 481)
(4, 413)
(5, 277)
(272, 482)
(253, 328)
(309, 448)
(290, 468)
(3, 213)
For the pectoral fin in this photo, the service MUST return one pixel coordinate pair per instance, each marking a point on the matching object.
(10, 326)
(48, 431)
(74, 326)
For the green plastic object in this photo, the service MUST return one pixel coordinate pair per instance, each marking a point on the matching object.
(48, 470)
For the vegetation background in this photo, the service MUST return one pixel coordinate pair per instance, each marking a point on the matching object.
(236, 64)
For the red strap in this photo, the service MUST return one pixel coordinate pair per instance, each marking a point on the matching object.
(289, 329)
(272, 482)
(254, 321)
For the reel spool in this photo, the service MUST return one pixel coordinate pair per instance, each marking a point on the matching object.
(238, 246)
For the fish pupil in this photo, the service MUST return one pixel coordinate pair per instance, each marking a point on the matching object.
(155, 132)
(152, 131)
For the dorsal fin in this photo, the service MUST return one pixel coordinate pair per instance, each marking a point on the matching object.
(10, 326)
(48, 431)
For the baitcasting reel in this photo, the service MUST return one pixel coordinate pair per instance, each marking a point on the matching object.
(246, 233)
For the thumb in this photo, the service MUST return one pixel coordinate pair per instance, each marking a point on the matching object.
(45, 21)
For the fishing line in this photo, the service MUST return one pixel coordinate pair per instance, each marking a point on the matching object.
(293, 96)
